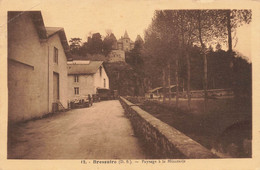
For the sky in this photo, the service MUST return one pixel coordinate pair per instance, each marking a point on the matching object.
(99, 16)
(244, 40)
(79, 18)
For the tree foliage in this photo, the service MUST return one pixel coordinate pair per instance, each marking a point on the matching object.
(183, 36)
(94, 45)
(75, 45)
(109, 43)
(177, 49)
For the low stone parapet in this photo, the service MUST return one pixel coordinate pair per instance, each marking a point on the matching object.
(160, 139)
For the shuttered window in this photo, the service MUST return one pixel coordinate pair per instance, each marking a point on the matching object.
(76, 78)
(76, 90)
(55, 55)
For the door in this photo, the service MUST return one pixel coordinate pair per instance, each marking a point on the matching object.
(56, 94)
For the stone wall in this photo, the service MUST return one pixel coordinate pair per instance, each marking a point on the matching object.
(160, 139)
(116, 56)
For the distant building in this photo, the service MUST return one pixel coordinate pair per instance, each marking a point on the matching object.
(116, 56)
(139, 39)
(84, 77)
(37, 61)
(125, 43)
(112, 38)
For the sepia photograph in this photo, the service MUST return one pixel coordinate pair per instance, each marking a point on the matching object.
(105, 82)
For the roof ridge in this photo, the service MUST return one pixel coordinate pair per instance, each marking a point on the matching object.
(90, 68)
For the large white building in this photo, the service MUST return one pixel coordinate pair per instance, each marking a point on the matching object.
(37, 66)
(84, 77)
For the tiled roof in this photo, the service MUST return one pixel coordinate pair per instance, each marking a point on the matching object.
(90, 68)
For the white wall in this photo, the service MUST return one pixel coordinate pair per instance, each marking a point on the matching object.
(30, 71)
(85, 84)
(60, 68)
(27, 71)
(99, 79)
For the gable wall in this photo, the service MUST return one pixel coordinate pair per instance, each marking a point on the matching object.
(99, 80)
(60, 68)
(27, 71)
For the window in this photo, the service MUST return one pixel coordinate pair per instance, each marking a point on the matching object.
(76, 78)
(76, 90)
(104, 83)
(100, 71)
(55, 55)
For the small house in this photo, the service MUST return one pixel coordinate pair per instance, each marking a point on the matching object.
(85, 77)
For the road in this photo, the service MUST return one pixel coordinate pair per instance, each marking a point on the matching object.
(99, 132)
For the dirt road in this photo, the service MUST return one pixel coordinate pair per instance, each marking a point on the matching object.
(99, 132)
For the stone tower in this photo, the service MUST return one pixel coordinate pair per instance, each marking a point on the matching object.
(125, 43)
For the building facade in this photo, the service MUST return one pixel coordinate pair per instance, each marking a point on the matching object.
(57, 62)
(121, 46)
(125, 43)
(116, 56)
(37, 74)
(84, 77)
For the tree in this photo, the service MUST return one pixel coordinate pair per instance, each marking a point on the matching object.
(218, 47)
(96, 44)
(187, 28)
(234, 19)
(161, 45)
(134, 58)
(200, 29)
(208, 30)
(135, 55)
(109, 43)
(226, 22)
(75, 45)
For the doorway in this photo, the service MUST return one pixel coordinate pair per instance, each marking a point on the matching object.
(56, 90)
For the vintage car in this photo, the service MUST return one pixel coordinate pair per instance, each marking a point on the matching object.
(84, 101)
(105, 94)
(95, 98)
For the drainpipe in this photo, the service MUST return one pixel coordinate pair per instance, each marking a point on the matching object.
(48, 84)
